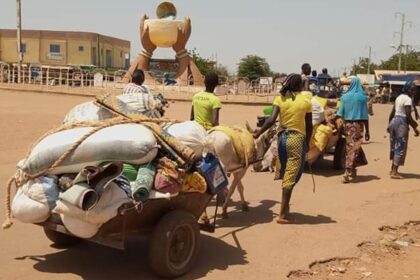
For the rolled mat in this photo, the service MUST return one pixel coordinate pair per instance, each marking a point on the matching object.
(143, 184)
(81, 196)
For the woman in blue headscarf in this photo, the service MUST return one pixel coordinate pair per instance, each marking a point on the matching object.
(354, 111)
(399, 121)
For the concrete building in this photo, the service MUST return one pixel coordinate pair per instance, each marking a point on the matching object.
(60, 48)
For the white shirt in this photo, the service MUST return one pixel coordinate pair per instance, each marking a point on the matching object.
(318, 115)
(400, 103)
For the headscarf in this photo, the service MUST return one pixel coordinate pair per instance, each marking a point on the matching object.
(355, 86)
(353, 103)
(407, 86)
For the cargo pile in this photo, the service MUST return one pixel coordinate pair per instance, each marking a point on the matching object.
(85, 171)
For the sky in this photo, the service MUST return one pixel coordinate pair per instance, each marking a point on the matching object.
(324, 33)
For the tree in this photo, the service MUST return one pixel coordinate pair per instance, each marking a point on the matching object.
(253, 67)
(410, 62)
(206, 65)
(362, 66)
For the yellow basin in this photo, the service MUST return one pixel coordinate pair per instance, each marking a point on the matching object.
(163, 32)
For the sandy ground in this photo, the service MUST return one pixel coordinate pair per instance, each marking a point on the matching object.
(329, 223)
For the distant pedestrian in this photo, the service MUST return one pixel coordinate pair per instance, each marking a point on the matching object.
(206, 105)
(306, 71)
(354, 111)
(399, 121)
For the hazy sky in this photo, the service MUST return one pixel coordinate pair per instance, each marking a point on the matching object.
(325, 33)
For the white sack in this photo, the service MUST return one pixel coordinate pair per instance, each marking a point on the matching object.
(131, 143)
(190, 134)
(34, 200)
(87, 111)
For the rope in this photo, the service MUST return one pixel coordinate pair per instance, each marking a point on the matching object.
(8, 222)
(313, 178)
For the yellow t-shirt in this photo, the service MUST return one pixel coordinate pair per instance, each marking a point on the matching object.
(204, 103)
(292, 112)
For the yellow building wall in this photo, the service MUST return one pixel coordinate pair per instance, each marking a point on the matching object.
(8, 47)
(8, 50)
(38, 51)
(75, 56)
(51, 58)
(119, 56)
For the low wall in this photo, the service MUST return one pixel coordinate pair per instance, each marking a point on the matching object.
(176, 93)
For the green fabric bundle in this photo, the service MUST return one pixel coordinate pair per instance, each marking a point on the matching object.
(143, 184)
(268, 110)
(130, 171)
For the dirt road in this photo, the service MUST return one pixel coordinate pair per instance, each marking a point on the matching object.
(329, 223)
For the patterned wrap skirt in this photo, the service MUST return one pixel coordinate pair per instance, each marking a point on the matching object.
(291, 160)
(398, 130)
(355, 155)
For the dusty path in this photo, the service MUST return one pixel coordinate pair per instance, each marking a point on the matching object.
(330, 222)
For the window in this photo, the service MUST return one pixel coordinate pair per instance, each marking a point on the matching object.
(81, 48)
(23, 48)
(54, 48)
(121, 54)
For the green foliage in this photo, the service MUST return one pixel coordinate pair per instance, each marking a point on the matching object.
(410, 62)
(362, 66)
(254, 67)
(206, 65)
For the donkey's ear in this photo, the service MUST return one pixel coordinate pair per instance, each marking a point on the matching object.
(248, 127)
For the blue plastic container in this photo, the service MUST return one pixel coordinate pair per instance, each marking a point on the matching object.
(214, 174)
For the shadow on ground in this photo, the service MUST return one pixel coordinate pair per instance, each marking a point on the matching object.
(91, 261)
(302, 219)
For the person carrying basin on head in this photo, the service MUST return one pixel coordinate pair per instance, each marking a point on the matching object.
(295, 121)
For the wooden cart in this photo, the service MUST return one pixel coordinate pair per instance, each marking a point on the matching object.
(172, 225)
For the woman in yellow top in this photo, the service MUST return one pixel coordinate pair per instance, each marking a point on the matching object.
(205, 105)
(295, 119)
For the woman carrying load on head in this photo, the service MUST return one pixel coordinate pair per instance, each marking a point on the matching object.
(399, 121)
(354, 111)
(295, 120)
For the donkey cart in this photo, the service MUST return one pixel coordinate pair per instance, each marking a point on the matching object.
(172, 227)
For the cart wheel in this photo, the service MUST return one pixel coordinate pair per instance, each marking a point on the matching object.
(340, 154)
(174, 244)
(61, 239)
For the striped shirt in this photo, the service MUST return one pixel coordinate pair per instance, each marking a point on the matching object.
(136, 99)
(133, 88)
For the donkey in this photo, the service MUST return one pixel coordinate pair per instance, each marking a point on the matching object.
(223, 148)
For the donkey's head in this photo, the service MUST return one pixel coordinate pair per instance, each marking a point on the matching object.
(263, 142)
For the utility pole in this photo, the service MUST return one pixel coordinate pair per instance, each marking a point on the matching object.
(400, 47)
(369, 58)
(406, 58)
(19, 39)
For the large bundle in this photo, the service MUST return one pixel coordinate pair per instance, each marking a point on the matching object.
(132, 143)
(190, 134)
(87, 111)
